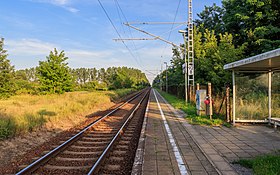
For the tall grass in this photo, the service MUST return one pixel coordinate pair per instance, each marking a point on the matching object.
(24, 113)
(263, 165)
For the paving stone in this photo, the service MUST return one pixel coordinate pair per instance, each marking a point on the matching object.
(223, 166)
(198, 172)
(210, 151)
(149, 172)
(216, 158)
(229, 173)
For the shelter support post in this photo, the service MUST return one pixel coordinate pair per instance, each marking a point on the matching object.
(233, 98)
(269, 95)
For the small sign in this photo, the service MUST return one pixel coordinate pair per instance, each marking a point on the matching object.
(184, 68)
(190, 70)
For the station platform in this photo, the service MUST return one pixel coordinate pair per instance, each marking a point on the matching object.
(169, 145)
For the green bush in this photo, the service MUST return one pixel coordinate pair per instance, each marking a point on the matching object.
(26, 87)
(89, 86)
(7, 128)
(118, 93)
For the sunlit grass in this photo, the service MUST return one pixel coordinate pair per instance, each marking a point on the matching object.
(256, 108)
(24, 113)
(190, 110)
(263, 165)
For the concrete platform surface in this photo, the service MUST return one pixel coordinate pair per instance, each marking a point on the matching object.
(169, 145)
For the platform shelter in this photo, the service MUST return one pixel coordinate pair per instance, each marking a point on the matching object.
(256, 87)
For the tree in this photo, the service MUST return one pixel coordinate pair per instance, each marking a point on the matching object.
(211, 18)
(123, 77)
(6, 73)
(93, 74)
(54, 74)
(213, 56)
(253, 22)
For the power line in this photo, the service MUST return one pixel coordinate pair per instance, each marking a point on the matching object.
(107, 15)
(110, 20)
(137, 58)
(119, 15)
(176, 13)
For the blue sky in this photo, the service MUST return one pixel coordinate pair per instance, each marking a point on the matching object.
(32, 28)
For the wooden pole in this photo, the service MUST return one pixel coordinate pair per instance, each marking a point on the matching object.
(227, 103)
(210, 99)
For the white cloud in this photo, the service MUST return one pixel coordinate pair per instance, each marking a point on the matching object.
(29, 47)
(71, 9)
(26, 53)
(61, 3)
(54, 2)
(81, 54)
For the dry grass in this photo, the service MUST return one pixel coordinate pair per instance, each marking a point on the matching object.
(23, 113)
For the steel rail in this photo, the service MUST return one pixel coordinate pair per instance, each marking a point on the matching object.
(118, 134)
(35, 165)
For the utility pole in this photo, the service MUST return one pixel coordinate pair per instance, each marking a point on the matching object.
(166, 88)
(185, 67)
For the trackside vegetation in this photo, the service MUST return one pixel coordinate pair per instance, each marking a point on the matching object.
(190, 111)
(263, 165)
(6, 73)
(54, 74)
(25, 113)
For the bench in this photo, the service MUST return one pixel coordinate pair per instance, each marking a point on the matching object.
(275, 121)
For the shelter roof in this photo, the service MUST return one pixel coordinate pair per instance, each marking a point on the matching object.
(262, 62)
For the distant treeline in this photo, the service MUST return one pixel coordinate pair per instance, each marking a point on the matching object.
(55, 76)
(92, 78)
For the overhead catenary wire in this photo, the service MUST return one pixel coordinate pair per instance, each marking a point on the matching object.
(137, 57)
(177, 9)
(121, 11)
(119, 15)
(107, 15)
(154, 38)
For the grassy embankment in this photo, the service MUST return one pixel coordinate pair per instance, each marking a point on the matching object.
(24, 113)
(190, 110)
(263, 165)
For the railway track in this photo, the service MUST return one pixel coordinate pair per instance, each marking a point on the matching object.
(106, 146)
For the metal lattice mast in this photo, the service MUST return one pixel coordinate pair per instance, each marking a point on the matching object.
(190, 45)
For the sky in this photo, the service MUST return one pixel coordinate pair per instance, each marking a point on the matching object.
(32, 28)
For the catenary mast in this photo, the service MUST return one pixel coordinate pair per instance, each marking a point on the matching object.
(190, 46)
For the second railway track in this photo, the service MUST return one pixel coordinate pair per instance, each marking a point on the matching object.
(107, 146)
